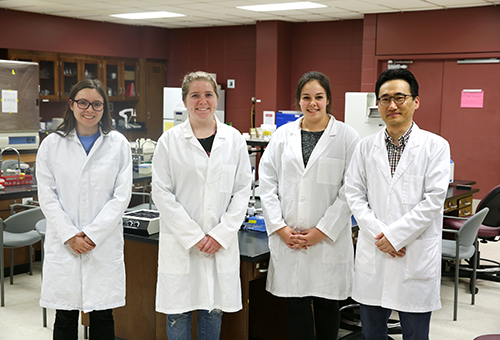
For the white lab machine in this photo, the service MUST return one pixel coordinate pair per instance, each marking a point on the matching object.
(174, 111)
(128, 125)
(361, 112)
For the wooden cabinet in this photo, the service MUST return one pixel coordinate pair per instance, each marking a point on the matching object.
(121, 79)
(59, 72)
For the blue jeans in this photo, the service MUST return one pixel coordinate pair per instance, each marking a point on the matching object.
(209, 323)
(415, 326)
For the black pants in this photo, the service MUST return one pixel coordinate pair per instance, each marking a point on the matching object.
(102, 326)
(301, 321)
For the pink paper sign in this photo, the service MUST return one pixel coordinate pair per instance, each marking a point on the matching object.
(472, 99)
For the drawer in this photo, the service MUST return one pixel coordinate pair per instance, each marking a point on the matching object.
(450, 206)
(260, 268)
(464, 202)
(466, 211)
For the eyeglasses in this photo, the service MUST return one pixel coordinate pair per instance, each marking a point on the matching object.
(84, 104)
(398, 99)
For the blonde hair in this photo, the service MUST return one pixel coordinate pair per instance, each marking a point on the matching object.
(197, 76)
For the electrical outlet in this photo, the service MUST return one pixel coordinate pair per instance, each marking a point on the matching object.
(26, 200)
(231, 83)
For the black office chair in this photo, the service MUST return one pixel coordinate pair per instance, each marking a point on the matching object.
(489, 231)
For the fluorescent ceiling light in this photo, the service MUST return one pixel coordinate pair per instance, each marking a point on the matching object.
(479, 61)
(147, 15)
(287, 6)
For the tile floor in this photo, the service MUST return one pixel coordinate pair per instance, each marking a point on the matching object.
(21, 318)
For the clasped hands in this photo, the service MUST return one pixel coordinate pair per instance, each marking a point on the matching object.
(300, 240)
(81, 243)
(208, 245)
(385, 246)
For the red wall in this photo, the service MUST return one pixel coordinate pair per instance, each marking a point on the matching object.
(30, 31)
(434, 41)
(228, 52)
(333, 48)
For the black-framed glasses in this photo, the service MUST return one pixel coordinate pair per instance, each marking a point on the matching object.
(84, 104)
(398, 99)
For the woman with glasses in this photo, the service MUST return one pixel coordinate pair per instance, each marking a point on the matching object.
(84, 175)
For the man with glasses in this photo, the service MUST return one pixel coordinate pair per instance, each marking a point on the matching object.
(396, 186)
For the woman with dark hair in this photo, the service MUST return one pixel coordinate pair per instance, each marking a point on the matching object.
(84, 175)
(307, 218)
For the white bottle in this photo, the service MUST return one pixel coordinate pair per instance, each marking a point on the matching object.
(452, 170)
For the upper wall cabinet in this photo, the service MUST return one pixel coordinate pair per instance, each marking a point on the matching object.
(121, 79)
(60, 72)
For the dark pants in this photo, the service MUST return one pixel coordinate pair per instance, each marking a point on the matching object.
(101, 326)
(301, 320)
(415, 326)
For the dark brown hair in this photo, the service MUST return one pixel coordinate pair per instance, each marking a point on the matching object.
(69, 120)
(322, 80)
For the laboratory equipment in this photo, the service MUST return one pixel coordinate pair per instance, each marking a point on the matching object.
(142, 222)
(19, 114)
(123, 113)
(174, 111)
(283, 117)
(362, 113)
(143, 152)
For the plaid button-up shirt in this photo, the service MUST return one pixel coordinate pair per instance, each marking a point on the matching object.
(394, 152)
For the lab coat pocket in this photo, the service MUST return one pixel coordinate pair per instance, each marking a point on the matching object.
(103, 174)
(109, 250)
(59, 254)
(227, 260)
(412, 189)
(423, 258)
(365, 253)
(227, 178)
(338, 251)
(174, 258)
(330, 171)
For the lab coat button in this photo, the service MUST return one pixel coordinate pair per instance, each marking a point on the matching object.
(302, 199)
(391, 192)
(301, 222)
(84, 199)
(389, 217)
(209, 182)
(208, 208)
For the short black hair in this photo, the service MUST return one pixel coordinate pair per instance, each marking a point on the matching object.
(394, 74)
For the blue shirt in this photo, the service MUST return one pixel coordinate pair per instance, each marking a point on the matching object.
(88, 141)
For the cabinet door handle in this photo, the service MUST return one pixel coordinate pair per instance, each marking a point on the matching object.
(149, 115)
(263, 270)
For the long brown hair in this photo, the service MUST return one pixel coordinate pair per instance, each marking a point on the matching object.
(69, 120)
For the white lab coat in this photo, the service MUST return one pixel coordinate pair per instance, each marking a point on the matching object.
(303, 198)
(199, 195)
(89, 193)
(408, 209)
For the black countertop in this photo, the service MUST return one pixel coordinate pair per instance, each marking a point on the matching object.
(32, 188)
(253, 244)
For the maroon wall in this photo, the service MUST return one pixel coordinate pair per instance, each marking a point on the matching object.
(228, 52)
(333, 48)
(30, 31)
(434, 41)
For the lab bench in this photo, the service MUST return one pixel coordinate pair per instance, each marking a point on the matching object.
(263, 315)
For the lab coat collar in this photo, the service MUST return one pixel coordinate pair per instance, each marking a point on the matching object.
(220, 136)
(296, 141)
(72, 135)
(381, 156)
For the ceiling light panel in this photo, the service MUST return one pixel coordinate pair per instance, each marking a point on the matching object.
(285, 6)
